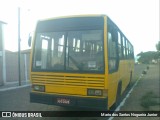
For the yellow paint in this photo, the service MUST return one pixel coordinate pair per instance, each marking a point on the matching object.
(123, 74)
(76, 84)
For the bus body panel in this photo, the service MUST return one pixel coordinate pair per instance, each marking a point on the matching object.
(123, 75)
(80, 89)
(69, 100)
(72, 84)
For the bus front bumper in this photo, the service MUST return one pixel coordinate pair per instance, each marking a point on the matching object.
(72, 101)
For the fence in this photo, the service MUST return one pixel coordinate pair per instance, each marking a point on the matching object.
(12, 66)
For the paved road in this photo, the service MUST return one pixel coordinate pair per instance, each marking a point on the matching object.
(18, 100)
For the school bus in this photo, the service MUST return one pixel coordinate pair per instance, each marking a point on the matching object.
(81, 61)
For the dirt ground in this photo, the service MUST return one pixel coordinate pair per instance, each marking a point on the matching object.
(145, 95)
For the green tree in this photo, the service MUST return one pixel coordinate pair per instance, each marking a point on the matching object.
(158, 46)
(147, 57)
(158, 50)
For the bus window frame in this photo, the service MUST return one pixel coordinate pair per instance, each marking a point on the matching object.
(65, 45)
(114, 30)
(120, 51)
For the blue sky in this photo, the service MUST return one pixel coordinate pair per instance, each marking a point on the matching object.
(138, 19)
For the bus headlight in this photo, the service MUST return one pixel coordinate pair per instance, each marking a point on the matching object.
(40, 88)
(94, 92)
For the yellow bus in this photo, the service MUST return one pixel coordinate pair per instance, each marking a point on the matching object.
(81, 61)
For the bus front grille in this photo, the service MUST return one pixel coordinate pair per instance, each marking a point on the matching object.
(69, 80)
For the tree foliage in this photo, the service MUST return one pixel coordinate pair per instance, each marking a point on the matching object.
(147, 57)
(158, 46)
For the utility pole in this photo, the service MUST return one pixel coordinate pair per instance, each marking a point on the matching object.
(19, 48)
(2, 54)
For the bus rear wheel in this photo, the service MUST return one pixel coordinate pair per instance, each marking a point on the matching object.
(118, 96)
(130, 79)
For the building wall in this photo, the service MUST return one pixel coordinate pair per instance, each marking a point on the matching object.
(9, 62)
(12, 66)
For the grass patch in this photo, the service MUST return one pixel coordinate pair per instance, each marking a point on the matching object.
(149, 99)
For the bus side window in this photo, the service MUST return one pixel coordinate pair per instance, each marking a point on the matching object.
(127, 49)
(124, 48)
(112, 53)
(120, 45)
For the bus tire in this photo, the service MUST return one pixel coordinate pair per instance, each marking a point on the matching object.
(130, 79)
(118, 96)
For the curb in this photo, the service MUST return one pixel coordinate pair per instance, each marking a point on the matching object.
(12, 88)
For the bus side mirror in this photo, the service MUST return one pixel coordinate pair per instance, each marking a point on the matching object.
(29, 40)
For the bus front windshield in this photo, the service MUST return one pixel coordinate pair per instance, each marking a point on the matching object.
(78, 51)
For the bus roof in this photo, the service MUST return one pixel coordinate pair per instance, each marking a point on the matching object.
(74, 16)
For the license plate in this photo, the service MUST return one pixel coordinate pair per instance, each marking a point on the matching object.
(63, 101)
